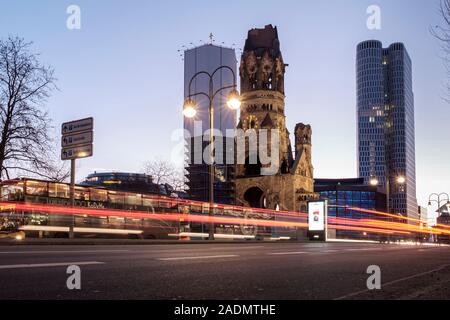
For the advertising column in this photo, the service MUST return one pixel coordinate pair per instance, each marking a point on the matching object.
(317, 220)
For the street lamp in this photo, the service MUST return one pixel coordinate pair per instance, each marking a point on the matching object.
(234, 100)
(400, 180)
(374, 182)
(190, 111)
(437, 199)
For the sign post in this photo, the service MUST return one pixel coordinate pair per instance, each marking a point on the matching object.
(317, 220)
(76, 143)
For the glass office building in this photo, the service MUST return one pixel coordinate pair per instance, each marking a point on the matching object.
(345, 194)
(386, 129)
(208, 58)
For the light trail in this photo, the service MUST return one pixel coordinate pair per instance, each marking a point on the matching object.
(177, 217)
(384, 225)
(360, 225)
(368, 229)
(396, 216)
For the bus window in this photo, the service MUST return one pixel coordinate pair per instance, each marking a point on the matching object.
(36, 188)
(195, 209)
(12, 192)
(98, 195)
(219, 211)
(133, 199)
(149, 202)
(58, 190)
(116, 198)
(81, 193)
(229, 211)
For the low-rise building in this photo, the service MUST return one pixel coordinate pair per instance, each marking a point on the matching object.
(345, 198)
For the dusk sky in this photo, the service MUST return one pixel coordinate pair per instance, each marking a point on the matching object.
(124, 69)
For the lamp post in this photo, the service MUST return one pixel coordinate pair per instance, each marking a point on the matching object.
(190, 110)
(400, 180)
(434, 197)
(438, 198)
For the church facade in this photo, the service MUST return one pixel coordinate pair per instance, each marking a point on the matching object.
(290, 186)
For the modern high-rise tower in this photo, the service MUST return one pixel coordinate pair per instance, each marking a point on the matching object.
(386, 130)
(208, 58)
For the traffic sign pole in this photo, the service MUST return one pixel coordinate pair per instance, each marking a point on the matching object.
(72, 198)
(76, 142)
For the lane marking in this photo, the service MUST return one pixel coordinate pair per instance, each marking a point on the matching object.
(286, 253)
(46, 252)
(235, 248)
(423, 250)
(368, 249)
(394, 282)
(196, 247)
(47, 265)
(318, 253)
(201, 257)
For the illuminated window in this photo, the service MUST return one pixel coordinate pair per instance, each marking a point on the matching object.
(59, 190)
(82, 193)
(36, 188)
(133, 199)
(99, 195)
(115, 197)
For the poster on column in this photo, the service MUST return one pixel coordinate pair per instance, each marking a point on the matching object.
(317, 216)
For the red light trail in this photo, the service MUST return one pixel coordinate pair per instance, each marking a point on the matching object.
(360, 225)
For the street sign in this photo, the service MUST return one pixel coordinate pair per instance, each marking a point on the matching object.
(77, 126)
(77, 152)
(77, 139)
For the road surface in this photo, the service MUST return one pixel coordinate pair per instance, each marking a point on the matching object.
(260, 271)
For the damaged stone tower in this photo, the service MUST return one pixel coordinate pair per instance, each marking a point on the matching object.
(262, 73)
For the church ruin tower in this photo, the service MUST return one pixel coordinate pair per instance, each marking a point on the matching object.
(290, 186)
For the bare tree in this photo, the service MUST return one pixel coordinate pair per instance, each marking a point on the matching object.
(25, 85)
(164, 172)
(56, 171)
(442, 33)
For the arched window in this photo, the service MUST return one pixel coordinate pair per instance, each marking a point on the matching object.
(255, 197)
(252, 169)
(284, 167)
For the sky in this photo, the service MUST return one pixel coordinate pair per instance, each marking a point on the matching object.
(123, 67)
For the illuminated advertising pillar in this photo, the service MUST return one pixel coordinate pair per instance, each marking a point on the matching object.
(317, 220)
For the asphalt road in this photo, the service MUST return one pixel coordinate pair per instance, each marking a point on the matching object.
(225, 271)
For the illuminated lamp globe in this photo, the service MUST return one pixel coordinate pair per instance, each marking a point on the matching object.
(401, 180)
(374, 182)
(234, 100)
(189, 109)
